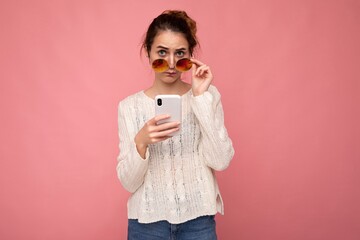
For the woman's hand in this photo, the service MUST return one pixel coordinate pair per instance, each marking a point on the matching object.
(201, 77)
(151, 132)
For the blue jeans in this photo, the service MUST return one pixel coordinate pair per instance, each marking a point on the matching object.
(201, 228)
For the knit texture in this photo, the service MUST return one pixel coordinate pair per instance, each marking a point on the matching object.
(176, 182)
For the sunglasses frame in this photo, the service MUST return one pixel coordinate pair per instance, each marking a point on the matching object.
(159, 62)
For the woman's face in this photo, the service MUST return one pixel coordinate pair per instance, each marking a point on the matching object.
(170, 46)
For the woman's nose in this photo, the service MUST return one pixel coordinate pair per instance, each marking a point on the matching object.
(172, 62)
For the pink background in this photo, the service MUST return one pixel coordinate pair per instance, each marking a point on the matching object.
(289, 76)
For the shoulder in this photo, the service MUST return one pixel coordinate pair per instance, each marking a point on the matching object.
(132, 100)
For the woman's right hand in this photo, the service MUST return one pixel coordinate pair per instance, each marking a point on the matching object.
(152, 132)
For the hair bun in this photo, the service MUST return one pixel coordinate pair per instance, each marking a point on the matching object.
(183, 15)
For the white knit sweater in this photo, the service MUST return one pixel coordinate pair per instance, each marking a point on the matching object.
(176, 182)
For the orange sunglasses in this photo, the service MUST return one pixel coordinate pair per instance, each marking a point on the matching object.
(182, 65)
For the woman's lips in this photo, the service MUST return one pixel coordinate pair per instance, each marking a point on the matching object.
(171, 73)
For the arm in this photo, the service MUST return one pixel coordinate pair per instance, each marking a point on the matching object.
(216, 146)
(134, 152)
(131, 167)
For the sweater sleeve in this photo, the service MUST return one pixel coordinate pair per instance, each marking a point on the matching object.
(131, 167)
(215, 145)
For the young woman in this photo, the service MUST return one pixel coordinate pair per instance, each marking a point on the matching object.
(174, 190)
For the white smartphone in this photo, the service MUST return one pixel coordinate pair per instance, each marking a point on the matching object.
(169, 104)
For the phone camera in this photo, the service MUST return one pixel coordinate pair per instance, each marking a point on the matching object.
(159, 102)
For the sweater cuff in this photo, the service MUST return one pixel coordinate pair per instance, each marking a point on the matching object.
(206, 96)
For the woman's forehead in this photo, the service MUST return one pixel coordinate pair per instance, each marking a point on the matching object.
(170, 40)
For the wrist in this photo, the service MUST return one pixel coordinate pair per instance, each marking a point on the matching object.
(140, 147)
(197, 93)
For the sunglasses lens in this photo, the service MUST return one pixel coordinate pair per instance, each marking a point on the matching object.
(160, 65)
(183, 65)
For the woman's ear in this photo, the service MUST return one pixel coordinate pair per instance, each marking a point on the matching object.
(147, 54)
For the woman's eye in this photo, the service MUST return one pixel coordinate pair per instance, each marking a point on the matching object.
(180, 54)
(162, 53)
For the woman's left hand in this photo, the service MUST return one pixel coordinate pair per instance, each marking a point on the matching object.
(201, 77)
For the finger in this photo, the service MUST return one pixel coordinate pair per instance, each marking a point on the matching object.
(162, 134)
(194, 68)
(197, 62)
(201, 70)
(160, 139)
(165, 126)
(158, 118)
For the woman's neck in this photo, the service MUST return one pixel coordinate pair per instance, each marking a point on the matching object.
(179, 87)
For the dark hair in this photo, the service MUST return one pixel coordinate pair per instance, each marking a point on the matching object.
(177, 21)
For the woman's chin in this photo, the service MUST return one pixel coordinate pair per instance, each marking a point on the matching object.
(170, 78)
